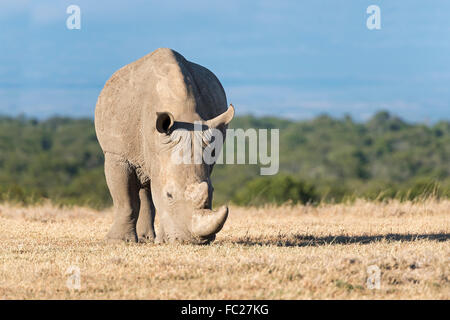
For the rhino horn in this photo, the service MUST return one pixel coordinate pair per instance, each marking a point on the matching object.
(207, 222)
(221, 119)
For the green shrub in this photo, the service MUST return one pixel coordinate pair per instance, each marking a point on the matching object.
(277, 189)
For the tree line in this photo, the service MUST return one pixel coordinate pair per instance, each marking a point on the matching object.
(323, 159)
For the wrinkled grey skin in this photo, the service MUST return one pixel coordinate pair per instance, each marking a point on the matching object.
(137, 112)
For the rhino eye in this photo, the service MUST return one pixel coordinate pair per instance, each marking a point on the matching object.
(164, 122)
(169, 195)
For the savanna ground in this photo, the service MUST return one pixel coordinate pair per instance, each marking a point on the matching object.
(288, 252)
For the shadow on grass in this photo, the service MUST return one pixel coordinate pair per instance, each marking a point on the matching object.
(305, 241)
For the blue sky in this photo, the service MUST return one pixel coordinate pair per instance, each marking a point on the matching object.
(294, 59)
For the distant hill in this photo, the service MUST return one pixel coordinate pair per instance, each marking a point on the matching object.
(321, 159)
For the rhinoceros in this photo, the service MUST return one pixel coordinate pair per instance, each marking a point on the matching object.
(138, 111)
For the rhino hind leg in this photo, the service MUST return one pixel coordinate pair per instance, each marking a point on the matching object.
(124, 188)
(145, 224)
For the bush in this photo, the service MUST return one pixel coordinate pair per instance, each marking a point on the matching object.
(421, 189)
(278, 189)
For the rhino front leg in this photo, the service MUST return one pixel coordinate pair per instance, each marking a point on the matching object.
(123, 186)
(145, 224)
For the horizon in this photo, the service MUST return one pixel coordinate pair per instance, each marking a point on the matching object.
(259, 117)
(287, 59)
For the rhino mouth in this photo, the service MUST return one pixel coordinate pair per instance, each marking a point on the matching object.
(204, 240)
(201, 228)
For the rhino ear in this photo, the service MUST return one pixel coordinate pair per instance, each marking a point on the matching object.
(164, 121)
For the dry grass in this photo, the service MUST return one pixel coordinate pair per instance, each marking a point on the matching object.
(268, 253)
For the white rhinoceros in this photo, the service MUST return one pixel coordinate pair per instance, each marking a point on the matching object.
(141, 106)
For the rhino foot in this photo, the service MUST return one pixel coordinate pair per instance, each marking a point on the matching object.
(147, 238)
(118, 237)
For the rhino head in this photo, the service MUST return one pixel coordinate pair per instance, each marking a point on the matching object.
(182, 191)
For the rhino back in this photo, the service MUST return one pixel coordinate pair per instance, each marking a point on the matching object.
(212, 94)
(162, 81)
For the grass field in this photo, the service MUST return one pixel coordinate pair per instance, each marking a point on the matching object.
(297, 252)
